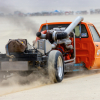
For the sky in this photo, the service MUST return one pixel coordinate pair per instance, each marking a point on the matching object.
(47, 5)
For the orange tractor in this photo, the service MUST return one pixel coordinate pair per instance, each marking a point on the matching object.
(59, 47)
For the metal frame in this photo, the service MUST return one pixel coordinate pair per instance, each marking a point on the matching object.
(74, 59)
(19, 57)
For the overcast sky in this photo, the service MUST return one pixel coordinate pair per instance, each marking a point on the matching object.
(47, 5)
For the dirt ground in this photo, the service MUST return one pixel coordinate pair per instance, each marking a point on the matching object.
(74, 86)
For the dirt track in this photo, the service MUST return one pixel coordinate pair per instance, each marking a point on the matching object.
(79, 87)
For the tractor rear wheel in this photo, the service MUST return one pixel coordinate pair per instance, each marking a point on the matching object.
(55, 66)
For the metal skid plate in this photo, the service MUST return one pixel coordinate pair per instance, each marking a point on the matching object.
(14, 66)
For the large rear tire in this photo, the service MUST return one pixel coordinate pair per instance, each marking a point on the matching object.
(55, 66)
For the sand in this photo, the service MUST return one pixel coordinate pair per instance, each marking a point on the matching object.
(80, 87)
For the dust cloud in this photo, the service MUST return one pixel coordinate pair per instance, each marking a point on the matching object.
(19, 83)
(15, 27)
(20, 22)
(24, 22)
